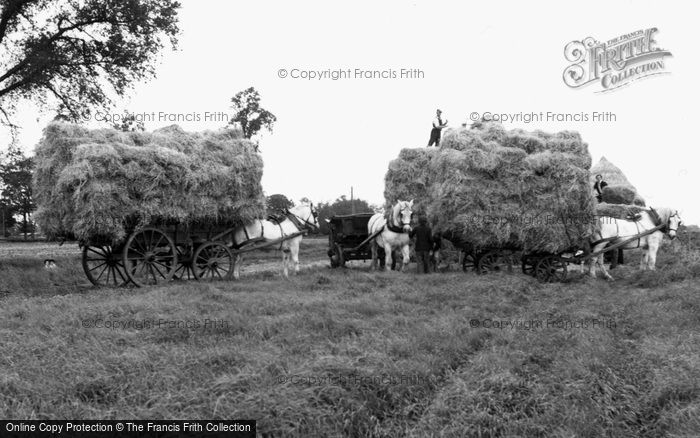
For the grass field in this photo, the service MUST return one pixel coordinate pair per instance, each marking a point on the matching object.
(348, 352)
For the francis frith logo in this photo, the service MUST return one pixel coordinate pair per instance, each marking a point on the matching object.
(614, 63)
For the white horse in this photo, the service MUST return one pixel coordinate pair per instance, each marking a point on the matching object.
(394, 233)
(297, 219)
(610, 231)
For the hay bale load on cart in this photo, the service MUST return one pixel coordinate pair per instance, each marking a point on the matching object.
(119, 192)
(497, 193)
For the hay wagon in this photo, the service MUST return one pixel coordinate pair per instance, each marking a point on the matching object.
(161, 252)
(545, 266)
(349, 239)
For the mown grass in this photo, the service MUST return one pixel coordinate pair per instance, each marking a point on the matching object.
(347, 352)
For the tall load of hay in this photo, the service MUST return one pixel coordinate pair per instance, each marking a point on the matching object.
(619, 189)
(490, 187)
(97, 184)
(408, 179)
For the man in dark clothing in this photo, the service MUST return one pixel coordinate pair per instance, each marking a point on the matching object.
(435, 257)
(616, 257)
(424, 243)
(598, 187)
(438, 125)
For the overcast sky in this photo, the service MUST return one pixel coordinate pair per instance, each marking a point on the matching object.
(501, 57)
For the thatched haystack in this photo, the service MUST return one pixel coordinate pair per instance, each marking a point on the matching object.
(490, 187)
(95, 184)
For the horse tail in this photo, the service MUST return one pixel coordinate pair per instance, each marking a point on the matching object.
(372, 224)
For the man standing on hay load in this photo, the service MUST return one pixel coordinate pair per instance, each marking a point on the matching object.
(438, 125)
(598, 186)
(424, 244)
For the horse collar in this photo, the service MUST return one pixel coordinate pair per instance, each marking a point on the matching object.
(297, 221)
(392, 226)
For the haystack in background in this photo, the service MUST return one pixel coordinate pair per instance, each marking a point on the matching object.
(619, 189)
(490, 187)
(612, 174)
(96, 184)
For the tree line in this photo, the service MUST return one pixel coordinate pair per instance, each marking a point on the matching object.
(16, 192)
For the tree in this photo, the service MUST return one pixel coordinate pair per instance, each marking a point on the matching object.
(249, 115)
(278, 203)
(71, 55)
(7, 219)
(16, 177)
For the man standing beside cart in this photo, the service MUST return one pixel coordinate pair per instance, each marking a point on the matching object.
(424, 244)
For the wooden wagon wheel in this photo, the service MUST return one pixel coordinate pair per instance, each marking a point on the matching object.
(334, 261)
(184, 269)
(103, 266)
(336, 255)
(528, 264)
(468, 262)
(550, 269)
(339, 255)
(493, 261)
(213, 261)
(150, 257)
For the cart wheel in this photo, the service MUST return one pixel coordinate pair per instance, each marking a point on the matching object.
(528, 265)
(213, 261)
(550, 269)
(339, 255)
(150, 257)
(468, 262)
(493, 261)
(333, 257)
(184, 270)
(103, 266)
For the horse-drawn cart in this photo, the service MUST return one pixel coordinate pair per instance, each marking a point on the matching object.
(545, 266)
(349, 239)
(165, 251)
(159, 253)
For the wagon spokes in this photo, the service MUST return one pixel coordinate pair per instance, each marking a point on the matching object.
(103, 266)
(213, 261)
(150, 257)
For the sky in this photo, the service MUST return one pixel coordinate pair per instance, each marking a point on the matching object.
(499, 57)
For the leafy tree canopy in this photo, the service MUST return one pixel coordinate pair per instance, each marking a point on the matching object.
(71, 55)
(249, 115)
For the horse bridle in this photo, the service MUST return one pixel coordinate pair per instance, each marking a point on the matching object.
(668, 224)
(667, 228)
(403, 224)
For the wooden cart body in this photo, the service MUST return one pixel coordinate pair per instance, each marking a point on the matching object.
(545, 266)
(349, 239)
(163, 251)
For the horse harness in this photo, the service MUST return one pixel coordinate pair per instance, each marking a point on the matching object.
(287, 214)
(391, 226)
(655, 219)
